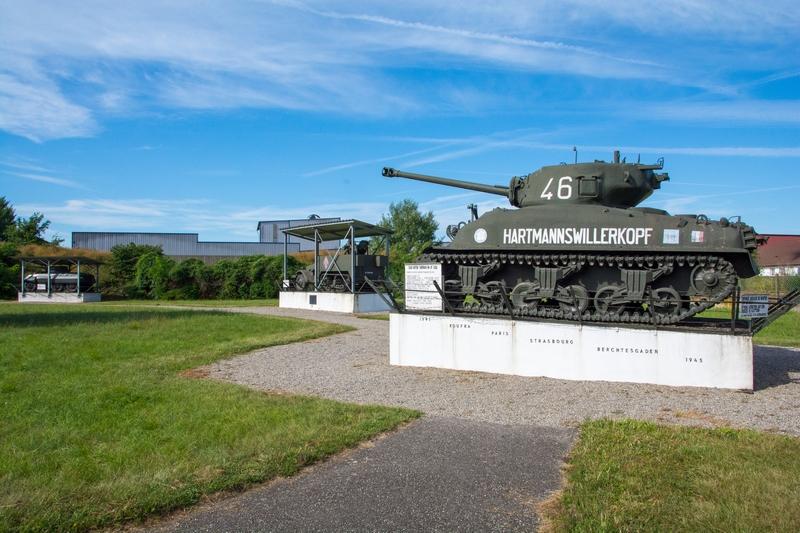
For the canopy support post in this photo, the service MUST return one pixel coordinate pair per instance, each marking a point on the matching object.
(352, 233)
(285, 254)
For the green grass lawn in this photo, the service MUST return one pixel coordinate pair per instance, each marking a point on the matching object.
(374, 316)
(101, 425)
(639, 476)
(785, 331)
(267, 302)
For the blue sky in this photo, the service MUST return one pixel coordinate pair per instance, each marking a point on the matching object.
(208, 116)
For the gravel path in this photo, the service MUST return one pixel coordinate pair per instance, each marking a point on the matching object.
(354, 367)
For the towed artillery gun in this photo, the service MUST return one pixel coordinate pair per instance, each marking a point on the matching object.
(579, 248)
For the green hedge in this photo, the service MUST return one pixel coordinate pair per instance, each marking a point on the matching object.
(155, 276)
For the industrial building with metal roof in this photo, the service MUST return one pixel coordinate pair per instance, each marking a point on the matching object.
(188, 245)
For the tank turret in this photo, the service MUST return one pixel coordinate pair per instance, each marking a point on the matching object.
(615, 184)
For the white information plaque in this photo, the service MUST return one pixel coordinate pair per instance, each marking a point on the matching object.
(421, 294)
(753, 306)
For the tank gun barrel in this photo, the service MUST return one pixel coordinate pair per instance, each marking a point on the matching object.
(481, 187)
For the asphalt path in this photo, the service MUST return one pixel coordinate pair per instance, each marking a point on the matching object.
(436, 474)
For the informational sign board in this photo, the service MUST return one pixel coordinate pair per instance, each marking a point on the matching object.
(421, 294)
(753, 306)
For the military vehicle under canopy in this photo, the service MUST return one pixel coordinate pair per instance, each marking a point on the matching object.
(579, 248)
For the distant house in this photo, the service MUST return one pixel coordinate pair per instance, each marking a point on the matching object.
(780, 255)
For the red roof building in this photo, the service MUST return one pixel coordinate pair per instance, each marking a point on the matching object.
(780, 255)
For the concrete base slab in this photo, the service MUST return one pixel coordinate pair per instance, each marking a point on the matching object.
(339, 302)
(572, 351)
(58, 297)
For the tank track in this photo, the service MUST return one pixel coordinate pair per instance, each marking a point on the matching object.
(725, 270)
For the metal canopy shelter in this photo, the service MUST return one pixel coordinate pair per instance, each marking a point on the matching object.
(49, 261)
(347, 230)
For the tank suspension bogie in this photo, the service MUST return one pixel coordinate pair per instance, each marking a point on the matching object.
(661, 289)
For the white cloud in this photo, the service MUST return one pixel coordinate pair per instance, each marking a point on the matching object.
(36, 109)
(753, 111)
(31, 171)
(516, 140)
(353, 164)
(66, 66)
(46, 179)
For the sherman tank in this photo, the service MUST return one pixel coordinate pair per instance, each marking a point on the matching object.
(61, 280)
(578, 248)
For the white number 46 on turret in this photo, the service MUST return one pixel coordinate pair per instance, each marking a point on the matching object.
(564, 191)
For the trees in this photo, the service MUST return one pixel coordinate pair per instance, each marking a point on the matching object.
(7, 216)
(31, 230)
(122, 268)
(9, 270)
(413, 232)
(412, 229)
(19, 230)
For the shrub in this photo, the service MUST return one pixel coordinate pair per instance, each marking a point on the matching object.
(153, 275)
(9, 270)
(121, 269)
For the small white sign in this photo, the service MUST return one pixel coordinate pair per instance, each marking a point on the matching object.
(480, 235)
(421, 294)
(754, 306)
(672, 236)
(41, 286)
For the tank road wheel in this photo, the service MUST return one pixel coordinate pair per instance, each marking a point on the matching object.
(609, 299)
(665, 302)
(526, 295)
(704, 280)
(573, 299)
(489, 293)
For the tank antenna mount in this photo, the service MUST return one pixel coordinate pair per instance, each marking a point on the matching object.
(575, 149)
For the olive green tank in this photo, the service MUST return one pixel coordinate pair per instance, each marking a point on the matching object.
(578, 248)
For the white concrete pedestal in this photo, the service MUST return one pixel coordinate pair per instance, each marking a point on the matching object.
(59, 297)
(340, 302)
(572, 351)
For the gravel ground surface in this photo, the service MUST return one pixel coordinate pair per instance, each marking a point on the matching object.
(354, 367)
